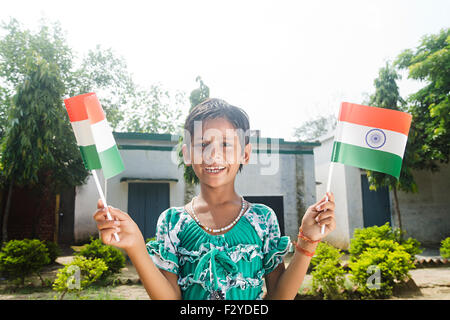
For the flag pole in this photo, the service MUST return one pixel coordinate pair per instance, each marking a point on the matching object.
(330, 174)
(102, 196)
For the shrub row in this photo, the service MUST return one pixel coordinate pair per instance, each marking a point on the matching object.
(95, 262)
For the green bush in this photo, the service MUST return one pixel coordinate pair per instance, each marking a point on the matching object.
(328, 276)
(22, 258)
(389, 259)
(53, 250)
(78, 275)
(113, 257)
(362, 237)
(445, 248)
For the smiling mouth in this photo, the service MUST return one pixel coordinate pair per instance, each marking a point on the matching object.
(214, 169)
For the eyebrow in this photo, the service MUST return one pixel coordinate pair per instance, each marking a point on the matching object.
(226, 138)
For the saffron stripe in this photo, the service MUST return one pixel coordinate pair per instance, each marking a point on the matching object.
(368, 159)
(94, 109)
(75, 108)
(375, 117)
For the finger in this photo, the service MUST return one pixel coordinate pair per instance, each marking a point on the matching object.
(326, 206)
(318, 203)
(326, 221)
(100, 204)
(330, 196)
(117, 213)
(106, 224)
(108, 235)
(325, 214)
(100, 214)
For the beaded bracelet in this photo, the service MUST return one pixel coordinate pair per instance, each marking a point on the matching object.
(304, 251)
(303, 237)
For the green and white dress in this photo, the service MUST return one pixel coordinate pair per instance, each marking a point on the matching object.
(227, 266)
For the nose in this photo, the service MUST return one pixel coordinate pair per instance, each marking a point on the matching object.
(213, 154)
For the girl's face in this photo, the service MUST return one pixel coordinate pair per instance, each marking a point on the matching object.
(216, 153)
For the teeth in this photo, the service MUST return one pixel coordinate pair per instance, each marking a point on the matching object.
(214, 169)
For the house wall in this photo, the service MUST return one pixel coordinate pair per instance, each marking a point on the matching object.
(426, 215)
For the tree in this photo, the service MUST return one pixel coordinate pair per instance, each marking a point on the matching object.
(37, 142)
(36, 72)
(430, 106)
(387, 96)
(31, 153)
(313, 129)
(17, 46)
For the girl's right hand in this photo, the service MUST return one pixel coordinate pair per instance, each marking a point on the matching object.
(128, 231)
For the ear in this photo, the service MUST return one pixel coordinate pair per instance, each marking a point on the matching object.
(186, 155)
(247, 153)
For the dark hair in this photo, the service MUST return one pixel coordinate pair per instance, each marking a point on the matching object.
(213, 108)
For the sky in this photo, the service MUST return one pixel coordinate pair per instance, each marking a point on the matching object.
(283, 62)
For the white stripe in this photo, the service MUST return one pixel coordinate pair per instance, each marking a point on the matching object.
(83, 133)
(355, 134)
(103, 136)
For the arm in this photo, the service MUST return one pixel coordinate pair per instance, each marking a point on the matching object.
(284, 283)
(159, 284)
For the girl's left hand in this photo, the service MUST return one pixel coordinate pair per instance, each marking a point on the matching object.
(316, 216)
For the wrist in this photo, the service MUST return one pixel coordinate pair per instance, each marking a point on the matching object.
(137, 249)
(305, 248)
(306, 237)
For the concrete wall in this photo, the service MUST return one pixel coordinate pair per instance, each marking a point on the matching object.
(426, 214)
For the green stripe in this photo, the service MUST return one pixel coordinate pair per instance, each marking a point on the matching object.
(368, 159)
(90, 157)
(111, 162)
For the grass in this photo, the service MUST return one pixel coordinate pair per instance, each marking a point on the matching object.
(31, 292)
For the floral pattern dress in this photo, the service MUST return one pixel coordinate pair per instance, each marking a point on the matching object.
(227, 266)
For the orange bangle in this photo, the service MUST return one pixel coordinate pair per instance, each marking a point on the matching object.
(303, 237)
(304, 251)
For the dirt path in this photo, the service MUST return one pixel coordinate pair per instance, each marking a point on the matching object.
(433, 284)
(429, 284)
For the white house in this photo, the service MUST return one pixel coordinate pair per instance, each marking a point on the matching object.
(280, 174)
(425, 215)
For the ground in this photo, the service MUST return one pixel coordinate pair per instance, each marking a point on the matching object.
(428, 284)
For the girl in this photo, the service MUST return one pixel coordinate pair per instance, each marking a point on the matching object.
(218, 246)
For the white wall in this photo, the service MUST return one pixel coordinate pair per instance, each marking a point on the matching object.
(426, 214)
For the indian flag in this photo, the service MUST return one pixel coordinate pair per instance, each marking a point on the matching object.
(371, 138)
(94, 135)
